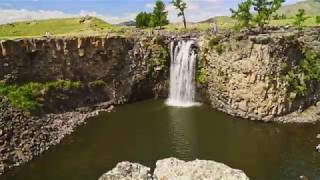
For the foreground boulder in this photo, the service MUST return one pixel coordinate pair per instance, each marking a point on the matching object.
(175, 169)
(198, 169)
(126, 171)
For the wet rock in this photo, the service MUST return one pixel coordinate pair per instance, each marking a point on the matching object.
(127, 171)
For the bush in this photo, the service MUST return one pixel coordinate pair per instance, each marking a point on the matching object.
(306, 72)
(219, 49)
(201, 77)
(96, 84)
(158, 62)
(318, 19)
(28, 97)
(214, 41)
(300, 18)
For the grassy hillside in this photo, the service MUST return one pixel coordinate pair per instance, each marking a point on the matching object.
(312, 8)
(56, 27)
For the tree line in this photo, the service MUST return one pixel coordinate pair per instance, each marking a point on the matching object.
(159, 16)
(249, 14)
(252, 13)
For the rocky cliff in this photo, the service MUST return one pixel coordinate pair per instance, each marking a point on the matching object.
(72, 78)
(122, 63)
(260, 76)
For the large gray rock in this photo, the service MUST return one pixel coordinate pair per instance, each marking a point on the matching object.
(175, 169)
(127, 171)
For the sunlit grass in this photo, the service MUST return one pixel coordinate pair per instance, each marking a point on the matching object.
(57, 27)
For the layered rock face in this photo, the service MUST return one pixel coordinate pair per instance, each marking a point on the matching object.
(175, 169)
(245, 75)
(122, 63)
(114, 70)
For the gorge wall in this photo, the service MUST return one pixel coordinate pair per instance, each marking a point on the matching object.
(82, 77)
(261, 76)
(124, 64)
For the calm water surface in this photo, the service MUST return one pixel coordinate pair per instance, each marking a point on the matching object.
(148, 131)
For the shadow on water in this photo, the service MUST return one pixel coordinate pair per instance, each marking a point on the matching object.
(147, 131)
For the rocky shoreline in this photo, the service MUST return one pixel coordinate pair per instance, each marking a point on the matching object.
(175, 169)
(23, 137)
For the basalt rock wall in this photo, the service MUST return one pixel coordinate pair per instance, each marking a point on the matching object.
(110, 70)
(247, 75)
(132, 68)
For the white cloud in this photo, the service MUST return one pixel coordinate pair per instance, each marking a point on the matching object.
(16, 15)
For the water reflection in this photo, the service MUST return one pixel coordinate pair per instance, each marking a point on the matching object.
(148, 131)
(182, 131)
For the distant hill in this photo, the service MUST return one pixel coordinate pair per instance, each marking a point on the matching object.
(68, 26)
(312, 8)
(127, 23)
(225, 19)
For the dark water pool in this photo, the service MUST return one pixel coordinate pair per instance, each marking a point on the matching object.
(148, 131)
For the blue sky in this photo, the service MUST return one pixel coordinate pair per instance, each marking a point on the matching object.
(113, 11)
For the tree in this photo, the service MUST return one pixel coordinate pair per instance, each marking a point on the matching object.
(143, 20)
(318, 19)
(160, 15)
(265, 8)
(243, 15)
(300, 18)
(180, 5)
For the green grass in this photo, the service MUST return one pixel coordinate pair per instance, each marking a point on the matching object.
(311, 7)
(229, 24)
(57, 27)
(28, 97)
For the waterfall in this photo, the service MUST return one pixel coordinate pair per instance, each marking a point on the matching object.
(182, 74)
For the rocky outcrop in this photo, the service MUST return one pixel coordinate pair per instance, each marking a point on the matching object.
(127, 171)
(245, 75)
(110, 69)
(198, 169)
(23, 136)
(126, 65)
(175, 169)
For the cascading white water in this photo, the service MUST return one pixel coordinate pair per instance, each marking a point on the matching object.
(182, 74)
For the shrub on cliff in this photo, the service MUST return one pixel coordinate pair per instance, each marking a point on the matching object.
(29, 96)
(300, 18)
(201, 76)
(158, 63)
(307, 71)
(318, 19)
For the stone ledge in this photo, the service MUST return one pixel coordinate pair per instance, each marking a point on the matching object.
(175, 169)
